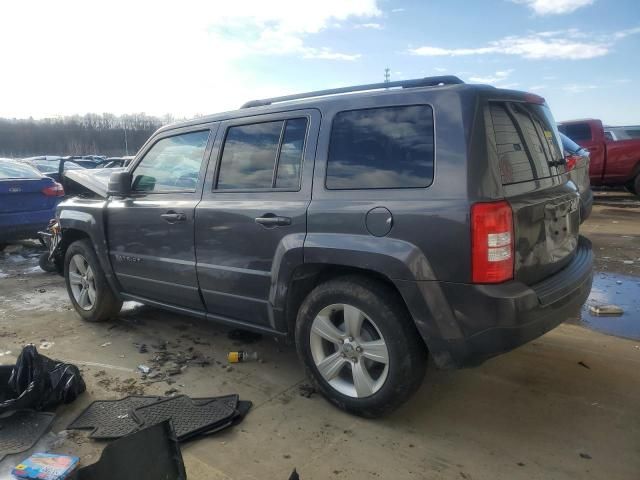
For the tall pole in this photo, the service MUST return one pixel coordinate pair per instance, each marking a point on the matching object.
(126, 144)
(387, 75)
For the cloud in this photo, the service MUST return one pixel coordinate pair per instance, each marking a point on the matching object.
(281, 27)
(328, 54)
(373, 26)
(535, 88)
(498, 77)
(397, 10)
(554, 7)
(180, 60)
(578, 88)
(563, 44)
(440, 69)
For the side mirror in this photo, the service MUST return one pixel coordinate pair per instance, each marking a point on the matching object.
(119, 184)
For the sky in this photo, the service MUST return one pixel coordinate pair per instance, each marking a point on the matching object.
(196, 57)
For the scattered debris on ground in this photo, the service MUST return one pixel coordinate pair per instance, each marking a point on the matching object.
(606, 310)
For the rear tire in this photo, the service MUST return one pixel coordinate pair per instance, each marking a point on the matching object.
(87, 285)
(636, 186)
(359, 333)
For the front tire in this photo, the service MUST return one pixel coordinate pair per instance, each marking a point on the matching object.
(46, 264)
(360, 346)
(87, 285)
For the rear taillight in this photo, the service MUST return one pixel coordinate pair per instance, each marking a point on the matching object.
(492, 249)
(571, 162)
(55, 190)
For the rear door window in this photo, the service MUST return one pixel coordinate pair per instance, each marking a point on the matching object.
(390, 147)
(263, 156)
(527, 141)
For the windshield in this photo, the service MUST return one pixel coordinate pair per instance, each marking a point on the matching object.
(47, 166)
(10, 169)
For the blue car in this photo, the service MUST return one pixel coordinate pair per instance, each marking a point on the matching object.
(28, 200)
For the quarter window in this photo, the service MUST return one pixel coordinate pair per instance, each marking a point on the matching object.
(263, 156)
(381, 148)
(172, 165)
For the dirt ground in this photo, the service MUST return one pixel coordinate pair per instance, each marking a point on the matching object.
(564, 406)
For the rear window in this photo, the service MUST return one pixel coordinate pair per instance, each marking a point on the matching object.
(381, 148)
(577, 132)
(11, 170)
(568, 145)
(527, 141)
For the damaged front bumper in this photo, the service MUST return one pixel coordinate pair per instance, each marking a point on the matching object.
(52, 238)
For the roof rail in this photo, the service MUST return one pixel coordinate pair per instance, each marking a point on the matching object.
(418, 82)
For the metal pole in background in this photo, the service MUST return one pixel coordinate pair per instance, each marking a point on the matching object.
(126, 144)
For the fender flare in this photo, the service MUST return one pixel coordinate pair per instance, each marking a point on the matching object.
(92, 225)
(401, 263)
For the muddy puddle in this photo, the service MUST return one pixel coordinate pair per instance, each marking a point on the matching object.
(616, 289)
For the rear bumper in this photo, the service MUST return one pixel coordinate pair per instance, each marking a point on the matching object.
(586, 204)
(466, 324)
(20, 225)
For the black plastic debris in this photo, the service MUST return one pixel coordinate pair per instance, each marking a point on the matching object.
(152, 453)
(110, 419)
(19, 431)
(190, 417)
(38, 382)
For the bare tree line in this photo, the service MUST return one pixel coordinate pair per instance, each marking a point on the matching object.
(89, 134)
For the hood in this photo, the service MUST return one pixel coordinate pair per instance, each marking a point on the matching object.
(95, 180)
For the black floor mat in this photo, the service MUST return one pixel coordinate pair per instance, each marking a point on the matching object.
(111, 418)
(151, 453)
(190, 417)
(21, 430)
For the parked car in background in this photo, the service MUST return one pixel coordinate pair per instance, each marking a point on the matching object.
(350, 222)
(612, 162)
(86, 161)
(28, 200)
(115, 162)
(51, 168)
(622, 132)
(577, 166)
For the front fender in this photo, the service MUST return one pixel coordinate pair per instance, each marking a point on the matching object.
(87, 216)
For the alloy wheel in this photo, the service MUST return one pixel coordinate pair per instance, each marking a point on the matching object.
(349, 351)
(82, 282)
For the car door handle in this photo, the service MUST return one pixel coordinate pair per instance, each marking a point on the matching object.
(174, 217)
(271, 220)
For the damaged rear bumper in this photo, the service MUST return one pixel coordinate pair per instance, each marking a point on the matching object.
(465, 324)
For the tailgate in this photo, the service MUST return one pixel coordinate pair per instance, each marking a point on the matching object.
(25, 195)
(546, 213)
(546, 227)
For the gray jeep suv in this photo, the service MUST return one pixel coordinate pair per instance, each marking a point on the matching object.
(372, 225)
